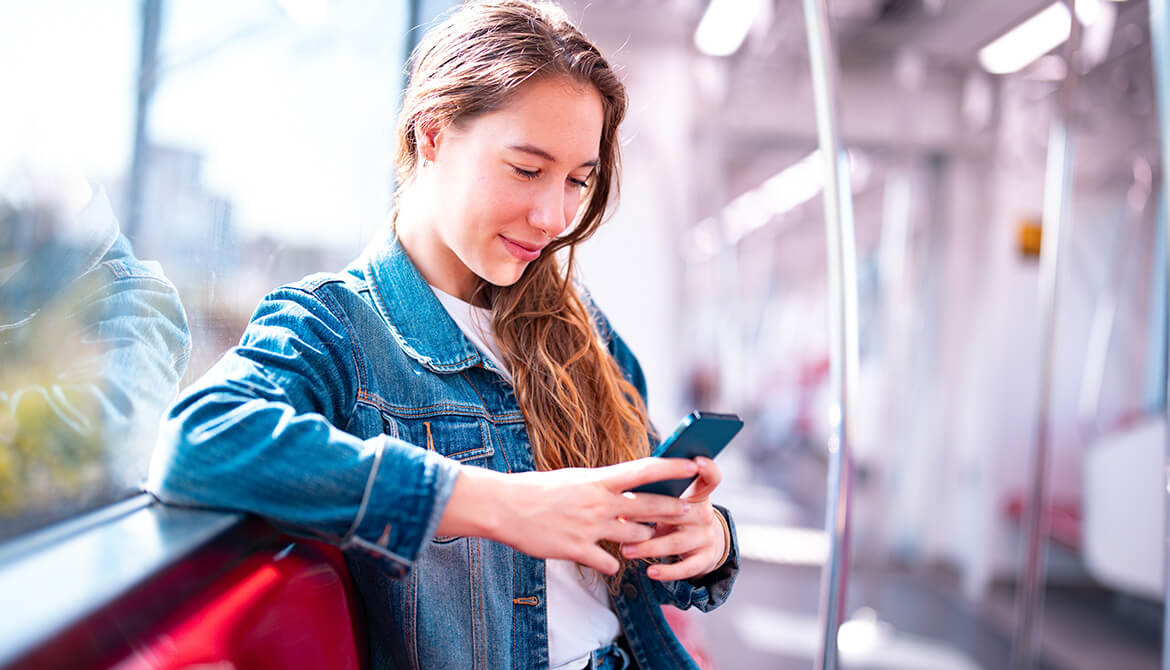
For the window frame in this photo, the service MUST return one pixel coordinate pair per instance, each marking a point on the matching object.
(151, 557)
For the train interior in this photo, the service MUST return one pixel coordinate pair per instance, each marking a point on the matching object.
(1005, 469)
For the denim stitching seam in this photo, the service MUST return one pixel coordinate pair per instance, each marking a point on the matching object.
(357, 541)
(361, 513)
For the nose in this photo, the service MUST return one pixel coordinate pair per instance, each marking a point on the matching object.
(547, 212)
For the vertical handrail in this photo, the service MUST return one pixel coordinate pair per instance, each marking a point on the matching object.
(843, 338)
(1058, 183)
(1160, 40)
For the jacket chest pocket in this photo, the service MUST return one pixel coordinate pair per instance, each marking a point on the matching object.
(463, 438)
(466, 439)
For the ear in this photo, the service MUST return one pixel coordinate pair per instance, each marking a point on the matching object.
(428, 136)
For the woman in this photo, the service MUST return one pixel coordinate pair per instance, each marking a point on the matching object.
(450, 410)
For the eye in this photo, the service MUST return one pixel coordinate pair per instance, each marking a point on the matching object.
(579, 183)
(526, 174)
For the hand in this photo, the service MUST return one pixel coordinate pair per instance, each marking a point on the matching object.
(565, 513)
(696, 537)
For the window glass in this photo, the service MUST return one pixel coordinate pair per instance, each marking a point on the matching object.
(130, 261)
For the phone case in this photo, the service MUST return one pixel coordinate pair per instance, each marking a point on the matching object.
(698, 434)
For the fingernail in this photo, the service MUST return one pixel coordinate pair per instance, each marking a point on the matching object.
(686, 507)
(652, 572)
(628, 550)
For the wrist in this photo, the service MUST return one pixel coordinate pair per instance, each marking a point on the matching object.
(475, 506)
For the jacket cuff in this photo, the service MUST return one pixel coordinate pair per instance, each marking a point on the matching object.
(406, 494)
(713, 588)
(709, 591)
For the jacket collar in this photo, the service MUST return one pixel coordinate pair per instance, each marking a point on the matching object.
(419, 322)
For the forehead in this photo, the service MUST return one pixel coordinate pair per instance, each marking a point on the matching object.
(560, 116)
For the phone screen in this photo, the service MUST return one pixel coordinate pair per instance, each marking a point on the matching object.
(698, 434)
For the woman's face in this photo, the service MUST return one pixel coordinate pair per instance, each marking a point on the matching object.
(503, 185)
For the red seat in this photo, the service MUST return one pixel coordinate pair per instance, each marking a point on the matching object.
(287, 608)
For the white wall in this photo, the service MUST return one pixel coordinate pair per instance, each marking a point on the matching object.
(632, 266)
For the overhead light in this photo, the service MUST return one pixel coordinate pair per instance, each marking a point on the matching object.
(793, 186)
(797, 184)
(1043, 32)
(725, 25)
(1089, 11)
(1098, 36)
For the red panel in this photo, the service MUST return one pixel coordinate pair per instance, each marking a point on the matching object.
(689, 630)
(281, 610)
(1062, 516)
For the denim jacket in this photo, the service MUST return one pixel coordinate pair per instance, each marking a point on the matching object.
(345, 411)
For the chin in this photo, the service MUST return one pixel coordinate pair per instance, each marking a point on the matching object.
(504, 276)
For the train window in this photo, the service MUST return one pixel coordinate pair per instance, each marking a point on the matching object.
(65, 394)
(162, 164)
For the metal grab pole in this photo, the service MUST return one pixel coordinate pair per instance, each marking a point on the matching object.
(1160, 39)
(1058, 182)
(842, 260)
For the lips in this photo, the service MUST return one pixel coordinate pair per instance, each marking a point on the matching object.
(522, 250)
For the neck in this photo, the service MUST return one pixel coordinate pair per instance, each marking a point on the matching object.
(419, 236)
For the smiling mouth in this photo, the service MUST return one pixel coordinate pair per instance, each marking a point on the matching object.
(520, 250)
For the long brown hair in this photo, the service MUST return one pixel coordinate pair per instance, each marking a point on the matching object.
(580, 409)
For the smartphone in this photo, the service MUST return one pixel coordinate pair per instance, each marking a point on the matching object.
(698, 434)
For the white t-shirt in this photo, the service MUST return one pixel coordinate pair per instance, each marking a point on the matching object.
(579, 617)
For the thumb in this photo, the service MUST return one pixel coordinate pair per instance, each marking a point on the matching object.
(709, 478)
(625, 476)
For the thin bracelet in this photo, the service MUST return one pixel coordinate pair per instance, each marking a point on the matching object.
(726, 539)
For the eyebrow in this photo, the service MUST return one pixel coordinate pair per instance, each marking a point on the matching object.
(537, 151)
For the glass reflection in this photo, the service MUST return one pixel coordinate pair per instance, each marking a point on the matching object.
(93, 342)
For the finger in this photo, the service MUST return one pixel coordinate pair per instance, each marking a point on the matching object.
(691, 566)
(627, 532)
(625, 476)
(681, 542)
(651, 507)
(661, 529)
(597, 558)
(710, 477)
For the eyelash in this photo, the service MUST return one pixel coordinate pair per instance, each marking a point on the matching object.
(533, 174)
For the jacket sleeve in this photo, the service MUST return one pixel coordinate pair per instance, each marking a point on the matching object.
(260, 433)
(708, 591)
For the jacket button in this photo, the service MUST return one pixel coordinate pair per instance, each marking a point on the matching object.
(630, 591)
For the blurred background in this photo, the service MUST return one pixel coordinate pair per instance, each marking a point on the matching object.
(245, 144)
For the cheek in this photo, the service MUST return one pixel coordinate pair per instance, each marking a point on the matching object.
(476, 207)
(573, 203)
(505, 203)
